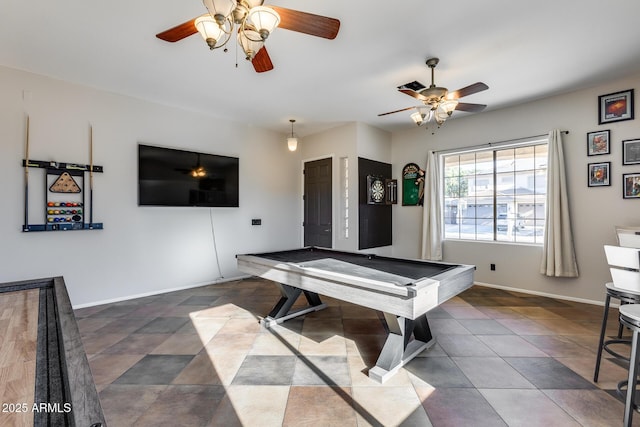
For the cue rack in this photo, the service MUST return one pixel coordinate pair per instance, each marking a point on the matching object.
(65, 206)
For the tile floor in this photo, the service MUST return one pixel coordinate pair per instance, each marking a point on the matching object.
(200, 358)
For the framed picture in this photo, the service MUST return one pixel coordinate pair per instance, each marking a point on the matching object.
(631, 151)
(615, 107)
(598, 143)
(631, 185)
(599, 174)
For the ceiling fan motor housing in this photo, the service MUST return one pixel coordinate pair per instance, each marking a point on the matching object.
(433, 94)
(240, 12)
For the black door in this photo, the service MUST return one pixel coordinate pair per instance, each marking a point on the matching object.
(374, 221)
(317, 203)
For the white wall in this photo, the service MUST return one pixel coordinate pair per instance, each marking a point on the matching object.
(141, 249)
(595, 210)
(352, 140)
(374, 144)
(146, 250)
(335, 143)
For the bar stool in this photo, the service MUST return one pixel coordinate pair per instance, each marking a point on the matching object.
(624, 265)
(630, 317)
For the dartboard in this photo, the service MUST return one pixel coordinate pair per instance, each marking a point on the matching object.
(377, 191)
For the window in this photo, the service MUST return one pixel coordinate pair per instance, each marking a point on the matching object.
(344, 199)
(496, 194)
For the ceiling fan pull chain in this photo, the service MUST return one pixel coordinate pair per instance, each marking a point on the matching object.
(236, 55)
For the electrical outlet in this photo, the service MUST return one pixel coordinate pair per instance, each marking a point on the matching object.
(256, 221)
(493, 267)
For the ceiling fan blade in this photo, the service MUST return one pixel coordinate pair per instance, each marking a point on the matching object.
(469, 90)
(178, 32)
(411, 93)
(470, 108)
(307, 23)
(262, 62)
(397, 111)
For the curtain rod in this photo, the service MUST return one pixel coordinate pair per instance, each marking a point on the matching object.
(491, 144)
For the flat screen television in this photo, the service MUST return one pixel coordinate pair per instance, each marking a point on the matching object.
(170, 177)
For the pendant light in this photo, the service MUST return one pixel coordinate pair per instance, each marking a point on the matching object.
(292, 141)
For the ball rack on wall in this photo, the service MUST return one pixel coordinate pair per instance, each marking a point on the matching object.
(65, 206)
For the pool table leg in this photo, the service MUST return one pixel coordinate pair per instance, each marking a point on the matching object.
(282, 310)
(399, 348)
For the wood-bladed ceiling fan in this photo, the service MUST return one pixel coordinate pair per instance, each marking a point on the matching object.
(438, 102)
(227, 18)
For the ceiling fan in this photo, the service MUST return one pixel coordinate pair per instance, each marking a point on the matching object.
(252, 22)
(438, 102)
(198, 171)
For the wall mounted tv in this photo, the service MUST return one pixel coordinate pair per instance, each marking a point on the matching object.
(169, 177)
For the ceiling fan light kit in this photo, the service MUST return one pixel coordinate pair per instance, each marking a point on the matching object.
(250, 42)
(210, 31)
(419, 117)
(220, 9)
(264, 19)
(255, 23)
(199, 172)
(438, 102)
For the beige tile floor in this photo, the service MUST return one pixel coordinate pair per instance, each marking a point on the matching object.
(199, 358)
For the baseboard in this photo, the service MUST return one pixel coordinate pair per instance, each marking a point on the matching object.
(231, 279)
(543, 294)
(159, 292)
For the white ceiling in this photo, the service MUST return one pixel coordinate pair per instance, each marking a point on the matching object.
(521, 50)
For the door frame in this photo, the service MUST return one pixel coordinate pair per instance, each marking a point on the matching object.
(333, 198)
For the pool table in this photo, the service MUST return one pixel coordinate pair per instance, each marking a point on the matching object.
(403, 289)
(46, 377)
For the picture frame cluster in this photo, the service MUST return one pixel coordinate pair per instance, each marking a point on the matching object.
(614, 107)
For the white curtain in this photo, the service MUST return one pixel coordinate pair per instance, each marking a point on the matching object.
(558, 254)
(431, 214)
